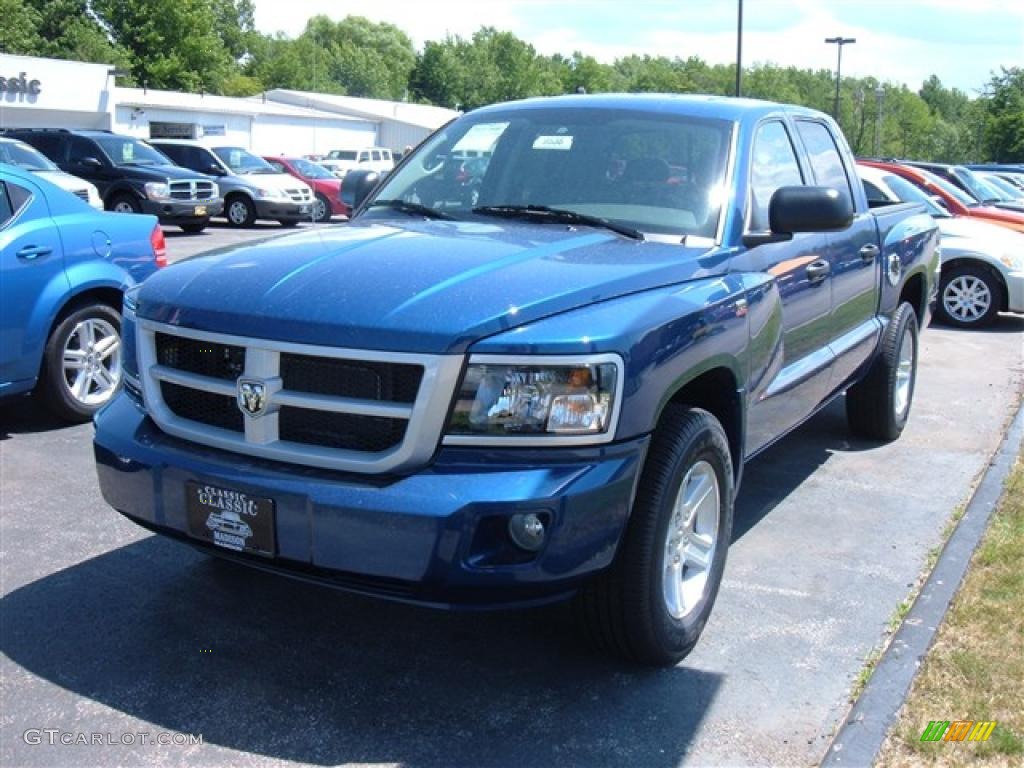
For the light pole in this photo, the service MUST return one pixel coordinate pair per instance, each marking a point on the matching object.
(739, 47)
(839, 42)
(879, 95)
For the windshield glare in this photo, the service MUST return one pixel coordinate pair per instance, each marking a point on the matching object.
(311, 170)
(243, 161)
(24, 156)
(950, 189)
(123, 150)
(656, 173)
(976, 186)
(1009, 191)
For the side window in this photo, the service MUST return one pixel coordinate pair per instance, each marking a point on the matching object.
(774, 165)
(363, 157)
(47, 143)
(12, 199)
(81, 149)
(277, 166)
(875, 195)
(171, 151)
(375, 155)
(825, 160)
(6, 206)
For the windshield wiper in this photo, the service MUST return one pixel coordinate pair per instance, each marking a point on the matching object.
(411, 208)
(564, 215)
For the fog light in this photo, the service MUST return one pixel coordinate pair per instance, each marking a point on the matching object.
(527, 531)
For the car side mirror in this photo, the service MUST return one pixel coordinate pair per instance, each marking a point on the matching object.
(92, 163)
(803, 209)
(357, 186)
(214, 170)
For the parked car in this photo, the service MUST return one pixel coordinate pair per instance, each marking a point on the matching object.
(252, 188)
(130, 175)
(548, 393)
(341, 161)
(982, 263)
(951, 197)
(63, 270)
(26, 157)
(970, 183)
(326, 186)
(1009, 192)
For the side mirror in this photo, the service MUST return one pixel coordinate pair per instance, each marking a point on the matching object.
(214, 170)
(809, 209)
(92, 163)
(357, 186)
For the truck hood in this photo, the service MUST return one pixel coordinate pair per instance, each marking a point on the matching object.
(412, 286)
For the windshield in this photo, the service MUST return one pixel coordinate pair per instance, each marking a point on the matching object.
(24, 156)
(908, 193)
(124, 150)
(311, 170)
(342, 154)
(242, 161)
(978, 188)
(950, 189)
(1009, 191)
(652, 172)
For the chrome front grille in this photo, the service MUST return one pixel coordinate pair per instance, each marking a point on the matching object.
(351, 410)
(193, 190)
(300, 195)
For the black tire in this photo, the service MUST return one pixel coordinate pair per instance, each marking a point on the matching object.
(322, 200)
(53, 386)
(288, 223)
(624, 611)
(194, 227)
(123, 201)
(977, 313)
(873, 407)
(240, 211)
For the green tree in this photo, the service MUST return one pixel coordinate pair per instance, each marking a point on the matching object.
(18, 32)
(1004, 119)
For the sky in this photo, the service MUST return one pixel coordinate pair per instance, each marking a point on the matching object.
(898, 41)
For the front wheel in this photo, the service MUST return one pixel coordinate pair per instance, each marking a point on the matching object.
(877, 407)
(651, 606)
(82, 362)
(321, 208)
(969, 297)
(125, 203)
(240, 211)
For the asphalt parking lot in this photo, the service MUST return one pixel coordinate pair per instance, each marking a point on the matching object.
(108, 629)
(181, 245)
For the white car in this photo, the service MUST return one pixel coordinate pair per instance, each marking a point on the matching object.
(982, 264)
(341, 161)
(14, 152)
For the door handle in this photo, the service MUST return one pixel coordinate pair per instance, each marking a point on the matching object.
(32, 252)
(818, 270)
(869, 252)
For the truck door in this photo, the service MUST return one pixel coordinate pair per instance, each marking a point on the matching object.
(796, 376)
(31, 260)
(853, 255)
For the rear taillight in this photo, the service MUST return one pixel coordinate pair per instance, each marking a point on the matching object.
(156, 239)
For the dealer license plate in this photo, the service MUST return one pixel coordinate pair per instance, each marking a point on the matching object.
(230, 519)
(200, 210)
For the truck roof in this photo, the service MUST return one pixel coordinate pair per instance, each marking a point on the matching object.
(721, 107)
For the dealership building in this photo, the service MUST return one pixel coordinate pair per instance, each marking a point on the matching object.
(52, 93)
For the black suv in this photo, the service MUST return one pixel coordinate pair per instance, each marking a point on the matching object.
(132, 176)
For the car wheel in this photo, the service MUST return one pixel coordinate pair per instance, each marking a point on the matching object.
(651, 606)
(125, 203)
(240, 211)
(969, 297)
(82, 362)
(194, 227)
(321, 208)
(877, 407)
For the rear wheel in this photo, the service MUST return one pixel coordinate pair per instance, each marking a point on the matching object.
(124, 203)
(321, 208)
(652, 605)
(240, 211)
(82, 362)
(969, 297)
(877, 407)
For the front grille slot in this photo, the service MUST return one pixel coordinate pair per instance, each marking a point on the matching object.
(83, 194)
(206, 358)
(342, 431)
(207, 408)
(191, 190)
(360, 379)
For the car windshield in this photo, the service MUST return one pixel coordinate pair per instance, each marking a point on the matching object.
(1009, 191)
(978, 188)
(908, 193)
(950, 189)
(342, 154)
(651, 172)
(24, 156)
(242, 161)
(311, 170)
(124, 150)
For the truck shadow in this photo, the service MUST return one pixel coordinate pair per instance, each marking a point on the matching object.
(24, 415)
(264, 665)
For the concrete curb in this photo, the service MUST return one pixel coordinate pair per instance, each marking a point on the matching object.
(860, 737)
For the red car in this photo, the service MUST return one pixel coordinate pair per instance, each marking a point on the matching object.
(326, 186)
(957, 202)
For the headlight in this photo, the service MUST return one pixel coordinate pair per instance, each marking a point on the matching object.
(541, 400)
(274, 194)
(158, 190)
(1013, 260)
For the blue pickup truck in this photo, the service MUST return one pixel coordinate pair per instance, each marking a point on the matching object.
(536, 384)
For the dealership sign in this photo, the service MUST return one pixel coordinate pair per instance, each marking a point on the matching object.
(19, 85)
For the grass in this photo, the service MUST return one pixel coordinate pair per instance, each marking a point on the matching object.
(975, 667)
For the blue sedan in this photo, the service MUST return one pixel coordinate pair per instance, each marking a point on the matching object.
(64, 268)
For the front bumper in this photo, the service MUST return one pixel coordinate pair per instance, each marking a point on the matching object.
(283, 210)
(1015, 292)
(437, 537)
(183, 211)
